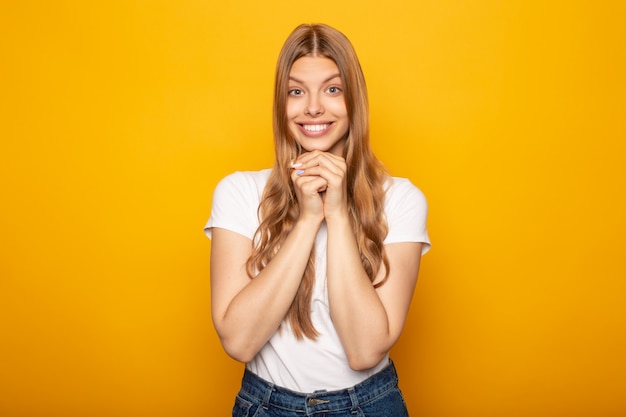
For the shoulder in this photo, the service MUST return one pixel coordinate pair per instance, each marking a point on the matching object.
(400, 191)
(241, 188)
(406, 211)
(246, 178)
(243, 182)
(235, 202)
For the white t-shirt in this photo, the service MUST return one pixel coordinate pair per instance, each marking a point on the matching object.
(308, 365)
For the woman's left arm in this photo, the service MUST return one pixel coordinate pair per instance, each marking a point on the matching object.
(368, 320)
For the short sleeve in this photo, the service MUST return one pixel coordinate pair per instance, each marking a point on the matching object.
(406, 209)
(235, 202)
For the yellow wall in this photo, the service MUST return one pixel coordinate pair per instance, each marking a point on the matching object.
(118, 118)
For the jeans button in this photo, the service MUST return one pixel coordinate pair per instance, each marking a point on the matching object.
(315, 401)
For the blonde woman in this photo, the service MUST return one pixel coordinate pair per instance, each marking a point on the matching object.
(314, 261)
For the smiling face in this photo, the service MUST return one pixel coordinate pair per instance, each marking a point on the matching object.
(316, 107)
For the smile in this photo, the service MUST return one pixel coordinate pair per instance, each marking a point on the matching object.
(316, 128)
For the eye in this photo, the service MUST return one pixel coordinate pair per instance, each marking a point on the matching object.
(295, 92)
(334, 90)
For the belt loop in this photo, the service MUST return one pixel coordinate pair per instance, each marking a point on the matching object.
(268, 395)
(355, 401)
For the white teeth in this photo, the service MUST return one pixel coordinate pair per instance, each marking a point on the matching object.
(315, 128)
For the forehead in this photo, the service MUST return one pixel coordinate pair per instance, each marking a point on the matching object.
(313, 68)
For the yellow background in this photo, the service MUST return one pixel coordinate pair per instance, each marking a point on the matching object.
(118, 118)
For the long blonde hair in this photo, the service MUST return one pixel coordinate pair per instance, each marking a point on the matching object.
(279, 211)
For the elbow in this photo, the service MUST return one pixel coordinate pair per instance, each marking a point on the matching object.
(237, 346)
(241, 352)
(363, 362)
(242, 357)
(367, 354)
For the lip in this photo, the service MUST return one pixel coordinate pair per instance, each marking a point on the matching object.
(315, 133)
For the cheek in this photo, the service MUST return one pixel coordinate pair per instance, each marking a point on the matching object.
(338, 108)
(292, 109)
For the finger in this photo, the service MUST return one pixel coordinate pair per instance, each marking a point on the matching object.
(323, 164)
(332, 173)
(307, 181)
(311, 185)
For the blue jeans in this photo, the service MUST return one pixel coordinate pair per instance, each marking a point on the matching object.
(377, 396)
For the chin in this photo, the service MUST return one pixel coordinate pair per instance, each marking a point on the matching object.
(335, 148)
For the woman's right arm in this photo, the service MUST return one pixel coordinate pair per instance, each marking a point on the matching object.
(246, 312)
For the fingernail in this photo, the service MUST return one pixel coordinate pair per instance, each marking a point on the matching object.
(296, 165)
(300, 172)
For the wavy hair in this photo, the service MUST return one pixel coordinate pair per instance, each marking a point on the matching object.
(279, 211)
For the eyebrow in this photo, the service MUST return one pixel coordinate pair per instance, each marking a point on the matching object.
(325, 81)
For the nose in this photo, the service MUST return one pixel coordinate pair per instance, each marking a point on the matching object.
(314, 106)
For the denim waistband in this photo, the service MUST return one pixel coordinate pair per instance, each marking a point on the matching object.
(320, 401)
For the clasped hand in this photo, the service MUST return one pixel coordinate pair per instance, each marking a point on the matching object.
(319, 180)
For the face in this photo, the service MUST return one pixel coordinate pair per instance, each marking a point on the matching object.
(316, 107)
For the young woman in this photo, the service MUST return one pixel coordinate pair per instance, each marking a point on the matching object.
(314, 262)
